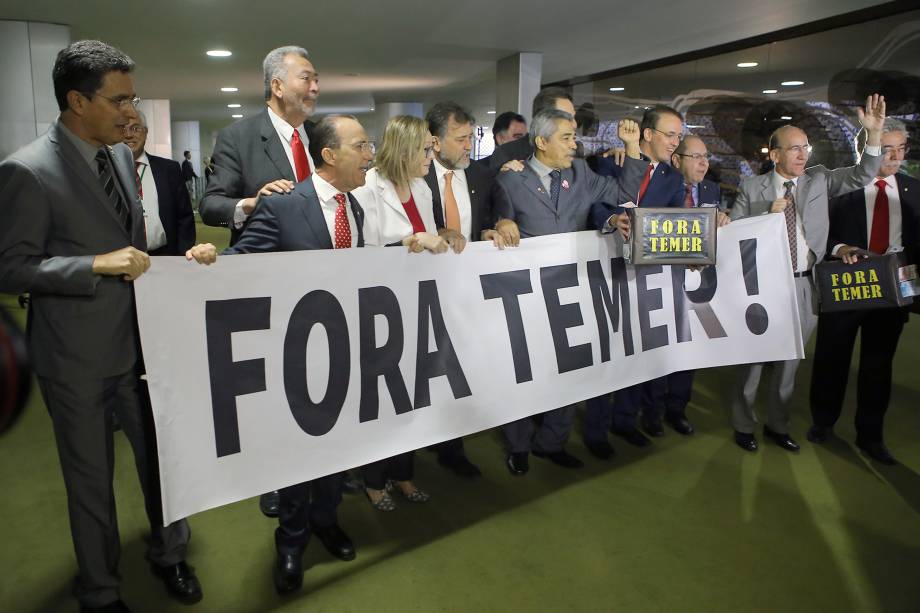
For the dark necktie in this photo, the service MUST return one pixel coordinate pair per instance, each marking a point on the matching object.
(789, 213)
(645, 181)
(342, 229)
(555, 182)
(107, 179)
(878, 239)
(301, 165)
(137, 178)
(688, 199)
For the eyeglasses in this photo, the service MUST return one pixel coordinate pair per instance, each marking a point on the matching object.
(696, 157)
(366, 147)
(670, 135)
(901, 150)
(429, 151)
(797, 149)
(120, 102)
(135, 129)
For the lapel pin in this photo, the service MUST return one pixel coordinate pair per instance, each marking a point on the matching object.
(565, 184)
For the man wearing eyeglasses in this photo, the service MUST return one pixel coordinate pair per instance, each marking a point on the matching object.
(801, 195)
(168, 218)
(661, 132)
(883, 215)
(72, 234)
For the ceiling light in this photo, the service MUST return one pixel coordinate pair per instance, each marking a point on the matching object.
(769, 91)
(234, 106)
(746, 64)
(694, 127)
(490, 112)
(617, 89)
(786, 117)
(236, 116)
(637, 106)
(219, 53)
(792, 83)
(764, 150)
(230, 89)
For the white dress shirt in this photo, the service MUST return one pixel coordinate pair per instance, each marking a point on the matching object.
(285, 132)
(806, 256)
(156, 235)
(326, 194)
(461, 195)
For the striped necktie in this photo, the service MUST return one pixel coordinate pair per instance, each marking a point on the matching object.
(107, 179)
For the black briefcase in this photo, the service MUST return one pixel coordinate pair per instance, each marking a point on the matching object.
(876, 282)
(671, 235)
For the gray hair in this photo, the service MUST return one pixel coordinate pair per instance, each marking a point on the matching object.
(273, 65)
(894, 125)
(141, 117)
(544, 124)
(891, 125)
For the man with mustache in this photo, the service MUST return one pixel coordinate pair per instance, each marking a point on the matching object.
(553, 194)
(800, 195)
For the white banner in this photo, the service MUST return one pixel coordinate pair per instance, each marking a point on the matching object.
(268, 370)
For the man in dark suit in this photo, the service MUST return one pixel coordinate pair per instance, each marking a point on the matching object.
(662, 186)
(319, 213)
(168, 218)
(462, 202)
(553, 194)
(72, 234)
(522, 148)
(508, 126)
(264, 154)
(188, 171)
(883, 215)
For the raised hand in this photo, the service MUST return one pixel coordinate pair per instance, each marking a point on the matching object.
(873, 117)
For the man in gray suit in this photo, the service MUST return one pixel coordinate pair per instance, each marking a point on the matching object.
(554, 194)
(72, 234)
(799, 194)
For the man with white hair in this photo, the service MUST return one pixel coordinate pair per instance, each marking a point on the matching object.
(168, 218)
(882, 216)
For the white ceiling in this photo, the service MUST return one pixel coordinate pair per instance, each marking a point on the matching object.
(399, 50)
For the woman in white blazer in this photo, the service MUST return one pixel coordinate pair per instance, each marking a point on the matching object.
(398, 211)
(395, 198)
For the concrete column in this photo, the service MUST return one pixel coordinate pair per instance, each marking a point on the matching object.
(187, 137)
(27, 54)
(518, 82)
(159, 129)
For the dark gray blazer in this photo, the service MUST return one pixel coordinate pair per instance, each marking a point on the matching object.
(54, 218)
(247, 155)
(291, 222)
(756, 196)
(520, 196)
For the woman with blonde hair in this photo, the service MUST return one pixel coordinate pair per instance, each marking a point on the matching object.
(398, 210)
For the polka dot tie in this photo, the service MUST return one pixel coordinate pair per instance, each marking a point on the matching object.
(342, 230)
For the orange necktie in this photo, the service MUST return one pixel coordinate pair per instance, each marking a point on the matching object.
(451, 210)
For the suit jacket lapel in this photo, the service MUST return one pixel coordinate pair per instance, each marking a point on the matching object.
(436, 207)
(767, 193)
(472, 185)
(535, 186)
(358, 213)
(274, 149)
(313, 213)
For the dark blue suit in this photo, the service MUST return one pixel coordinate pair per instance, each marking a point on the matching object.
(175, 208)
(295, 222)
(669, 393)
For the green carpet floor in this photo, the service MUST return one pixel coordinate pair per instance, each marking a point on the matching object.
(691, 524)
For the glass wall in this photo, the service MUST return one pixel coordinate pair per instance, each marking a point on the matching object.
(735, 100)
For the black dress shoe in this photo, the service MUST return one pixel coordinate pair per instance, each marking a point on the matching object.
(336, 542)
(560, 458)
(877, 451)
(270, 503)
(461, 466)
(350, 485)
(518, 463)
(180, 581)
(783, 440)
(818, 434)
(680, 424)
(113, 607)
(633, 437)
(288, 572)
(652, 425)
(602, 450)
(745, 441)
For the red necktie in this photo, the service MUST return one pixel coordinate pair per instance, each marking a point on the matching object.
(342, 229)
(645, 182)
(137, 177)
(878, 239)
(688, 199)
(301, 165)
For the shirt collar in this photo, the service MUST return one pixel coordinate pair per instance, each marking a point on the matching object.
(143, 159)
(440, 170)
(324, 190)
(539, 167)
(779, 181)
(86, 150)
(890, 180)
(285, 129)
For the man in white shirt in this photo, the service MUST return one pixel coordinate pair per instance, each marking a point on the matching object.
(168, 218)
(883, 216)
(268, 152)
(800, 194)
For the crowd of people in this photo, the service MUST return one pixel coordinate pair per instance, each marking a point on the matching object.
(84, 208)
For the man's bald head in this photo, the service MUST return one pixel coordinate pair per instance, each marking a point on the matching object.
(691, 158)
(789, 151)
